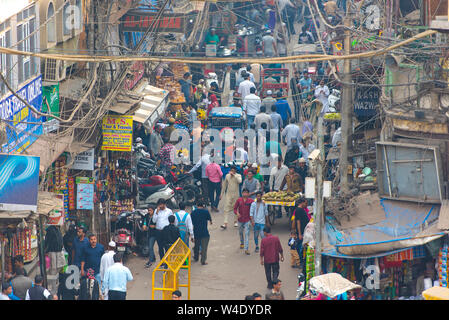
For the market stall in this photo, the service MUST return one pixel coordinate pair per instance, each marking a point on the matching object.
(288, 200)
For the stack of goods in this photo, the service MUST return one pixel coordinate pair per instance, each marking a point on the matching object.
(60, 185)
(281, 196)
(178, 69)
(21, 244)
(310, 264)
(171, 83)
(442, 266)
(117, 207)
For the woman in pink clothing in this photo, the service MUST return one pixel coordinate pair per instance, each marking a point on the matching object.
(214, 175)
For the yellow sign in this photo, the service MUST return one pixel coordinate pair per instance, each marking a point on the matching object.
(117, 133)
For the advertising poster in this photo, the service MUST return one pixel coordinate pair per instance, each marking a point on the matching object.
(19, 182)
(117, 133)
(26, 126)
(85, 193)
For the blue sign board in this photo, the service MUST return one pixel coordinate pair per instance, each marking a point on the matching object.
(25, 126)
(366, 101)
(19, 181)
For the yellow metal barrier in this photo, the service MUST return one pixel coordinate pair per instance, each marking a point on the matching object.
(176, 258)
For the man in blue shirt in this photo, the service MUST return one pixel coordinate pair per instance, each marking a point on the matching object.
(200, 216)
(305, 84)
(92, 257)
(79, 244)
(116, 278)
(186, 87)
(283, 109)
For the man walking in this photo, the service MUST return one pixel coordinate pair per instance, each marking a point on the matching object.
(170, 233)
(116, 278)
(215, 175)
(79, 244)
(277, 122)
(269, 100)
(230, 192)
(283, 108)
(291, 134)
(184, 223)
(160, 217)
(92, 258)
(251, 184)
(38, 292)
(251, 106)
(277, 175)
(107, 260)
(269, 45)
(259, 217)
(270, 250)
(200, 216)
(204, 161)
(300, 223)
(245, 85)
(20, 284)
(263, 117)
(241, 209)
(156, 141)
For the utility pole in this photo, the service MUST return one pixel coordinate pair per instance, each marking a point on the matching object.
(319, 206)
(346, 109)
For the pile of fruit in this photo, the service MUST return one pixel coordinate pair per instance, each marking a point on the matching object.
(332, 116)
(281, 196)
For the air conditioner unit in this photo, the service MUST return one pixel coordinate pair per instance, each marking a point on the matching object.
(55, 70)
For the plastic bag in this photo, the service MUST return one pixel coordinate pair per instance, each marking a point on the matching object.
(309, 235)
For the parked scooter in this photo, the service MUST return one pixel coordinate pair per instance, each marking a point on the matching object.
(300, 291)
(333, 100)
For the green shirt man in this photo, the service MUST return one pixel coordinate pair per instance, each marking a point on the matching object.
(212, 38)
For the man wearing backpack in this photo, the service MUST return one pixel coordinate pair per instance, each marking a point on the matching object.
(184, 223)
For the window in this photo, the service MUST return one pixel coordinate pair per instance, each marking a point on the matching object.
(5, 61)
(66, 19)
(23, 31)
(51, 26)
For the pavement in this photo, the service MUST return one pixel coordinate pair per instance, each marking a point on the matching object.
(229, 275)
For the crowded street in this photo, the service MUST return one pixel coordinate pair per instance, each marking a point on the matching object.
(224, 150)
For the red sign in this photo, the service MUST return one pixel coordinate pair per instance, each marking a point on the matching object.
(141, 21)
(71, 193)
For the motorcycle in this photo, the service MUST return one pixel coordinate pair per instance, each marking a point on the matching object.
(128, 233)
(301, 292)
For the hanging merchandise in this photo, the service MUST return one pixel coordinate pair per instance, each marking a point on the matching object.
(442, 265)
(71, 185)
(310, 264)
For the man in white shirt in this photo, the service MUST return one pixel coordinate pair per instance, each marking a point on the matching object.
(107, 260)
(160, 218)
(204, 161)
(245, 86)
(251, 106)
(263, 117)
(291, 134)
(116, 278)
(277, 176)
(322, 94)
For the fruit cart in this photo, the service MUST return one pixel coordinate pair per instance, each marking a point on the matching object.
(283, 199)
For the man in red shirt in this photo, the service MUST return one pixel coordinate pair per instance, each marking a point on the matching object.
(214, 175)
(241, 209)
(270, 250)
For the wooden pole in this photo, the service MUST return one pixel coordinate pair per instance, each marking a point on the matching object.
(41, 250)
(319, 198)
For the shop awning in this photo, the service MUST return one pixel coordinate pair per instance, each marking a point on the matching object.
(48, 148)
(404, 225)
(125, 102)
(48, 201)
(152, 107)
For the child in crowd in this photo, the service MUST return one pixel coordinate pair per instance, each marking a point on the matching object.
(293, 243)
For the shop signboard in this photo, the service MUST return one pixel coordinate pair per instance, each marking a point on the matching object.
(366, 101)
(24, 126)
(84, 160)
(50, 98)
(19, 181)
(84, 193)
(137, 71)
(117, 133)
(141, 20)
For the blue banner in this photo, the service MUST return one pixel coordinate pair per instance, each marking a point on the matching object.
(25, 126)
(19, 181)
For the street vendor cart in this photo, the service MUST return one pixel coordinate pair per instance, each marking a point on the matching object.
(331, 285)
(289, 202)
